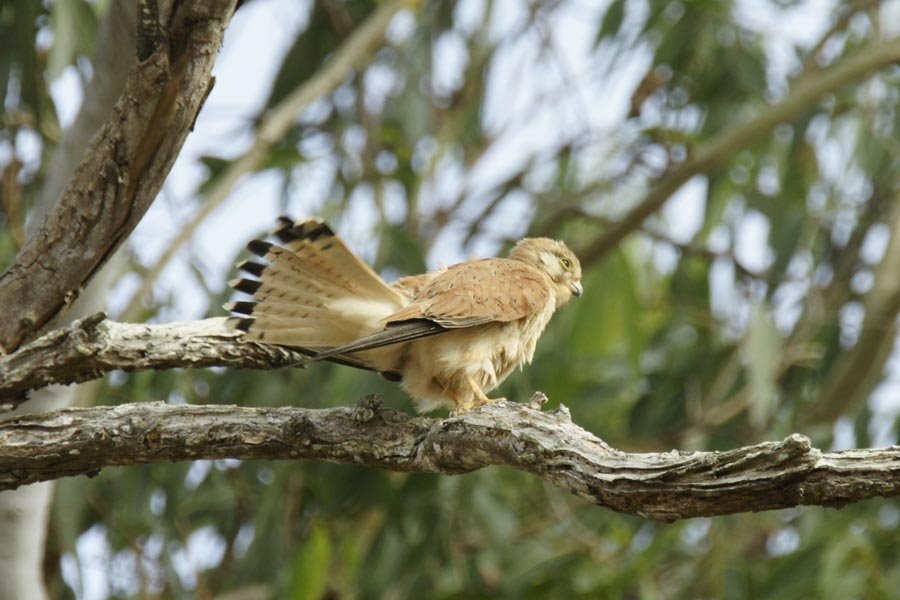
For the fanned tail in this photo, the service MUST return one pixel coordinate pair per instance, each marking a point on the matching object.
(313, 294)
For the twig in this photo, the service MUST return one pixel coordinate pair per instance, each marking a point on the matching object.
(844, 13)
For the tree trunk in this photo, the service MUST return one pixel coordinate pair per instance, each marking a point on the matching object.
(24, 512)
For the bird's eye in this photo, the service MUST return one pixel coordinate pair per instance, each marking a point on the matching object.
(566, 263)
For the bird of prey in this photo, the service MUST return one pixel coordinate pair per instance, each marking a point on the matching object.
(449, 336)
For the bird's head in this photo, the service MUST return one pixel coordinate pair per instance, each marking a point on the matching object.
(556, 261)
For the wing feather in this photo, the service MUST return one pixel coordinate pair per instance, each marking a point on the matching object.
(478, 292)
(393, 334)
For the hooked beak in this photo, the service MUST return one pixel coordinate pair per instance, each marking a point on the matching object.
(576, 288)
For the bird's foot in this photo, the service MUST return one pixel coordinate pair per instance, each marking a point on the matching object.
(479, 398)
(366, 408)
(486, 400)
(461, 409)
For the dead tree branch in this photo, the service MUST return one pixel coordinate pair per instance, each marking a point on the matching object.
(91, 347)
(662, 486)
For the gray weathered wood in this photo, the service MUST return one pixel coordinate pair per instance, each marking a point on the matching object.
(663, 486)
(90, 347)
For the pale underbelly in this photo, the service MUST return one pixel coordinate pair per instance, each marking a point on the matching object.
(443, 369)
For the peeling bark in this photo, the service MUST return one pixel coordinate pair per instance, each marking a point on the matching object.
(121, 171)
(93, 346)
(662, 486)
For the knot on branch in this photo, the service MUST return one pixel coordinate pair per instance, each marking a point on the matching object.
(797, 444)
(563, 414)
(367, 408)
(538, 400)
(85, 335)
(299, 427)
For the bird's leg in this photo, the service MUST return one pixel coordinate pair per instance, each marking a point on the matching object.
(477, 399)
(480, 398)
(460, 406)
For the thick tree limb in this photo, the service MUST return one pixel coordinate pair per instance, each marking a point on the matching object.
(24, 513)
(663, 486)
(120, 173)
(91, 347)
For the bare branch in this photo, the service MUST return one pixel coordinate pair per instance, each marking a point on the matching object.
(90, 347)
(663, 486)
(120, 173)
(718, 150)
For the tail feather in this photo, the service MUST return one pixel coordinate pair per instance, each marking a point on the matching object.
(287, 266)
(287, 311)
(322, 251)
(308, 327)
(273, 332)
(277, 291)
(355, 360)
(313, 294)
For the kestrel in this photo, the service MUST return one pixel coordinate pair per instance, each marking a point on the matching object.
(448, 336)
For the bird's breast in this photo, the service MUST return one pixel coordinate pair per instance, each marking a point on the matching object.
(511, 345)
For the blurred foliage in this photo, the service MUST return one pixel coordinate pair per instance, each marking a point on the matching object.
(704, 336)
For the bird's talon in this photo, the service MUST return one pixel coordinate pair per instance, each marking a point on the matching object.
(479, 402)
(461, 409)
